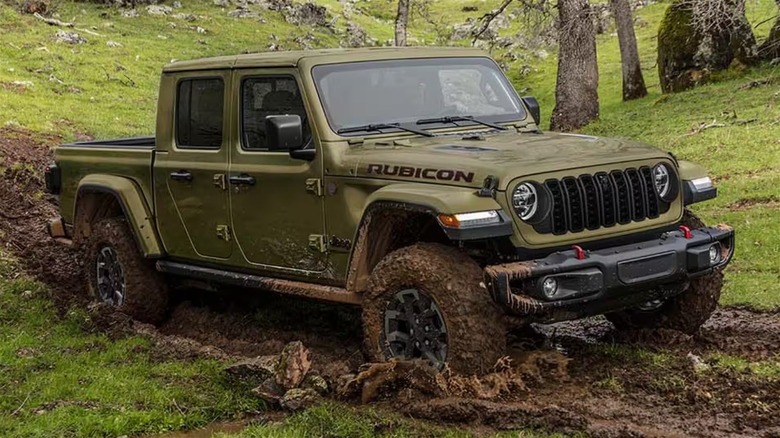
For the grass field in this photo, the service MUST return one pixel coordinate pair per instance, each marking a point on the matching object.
(58, 380)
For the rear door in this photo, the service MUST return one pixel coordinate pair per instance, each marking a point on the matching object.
(276, 202)
(192, 200)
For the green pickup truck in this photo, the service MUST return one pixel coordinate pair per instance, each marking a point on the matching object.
(413, 182)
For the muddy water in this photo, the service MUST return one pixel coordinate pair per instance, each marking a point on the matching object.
(206, 432)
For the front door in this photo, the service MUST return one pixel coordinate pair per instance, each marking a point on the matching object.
(276, 206)
(192, 199)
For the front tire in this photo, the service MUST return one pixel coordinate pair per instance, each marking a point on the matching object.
(685, 312)
(119, 275)
(439, 292)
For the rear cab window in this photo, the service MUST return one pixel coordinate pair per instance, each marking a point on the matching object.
(200, 113)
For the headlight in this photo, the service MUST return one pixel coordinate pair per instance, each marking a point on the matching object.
(525, 201)
(663, 180)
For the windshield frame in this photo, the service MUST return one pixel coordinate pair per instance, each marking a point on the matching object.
(521, 115)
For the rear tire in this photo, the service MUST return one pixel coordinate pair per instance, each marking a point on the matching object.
(443, 289)
(685, 312)
(119, 275)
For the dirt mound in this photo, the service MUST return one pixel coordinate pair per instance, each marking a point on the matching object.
(24, 209)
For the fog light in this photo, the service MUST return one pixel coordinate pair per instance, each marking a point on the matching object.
(550, 287)
(715, 254)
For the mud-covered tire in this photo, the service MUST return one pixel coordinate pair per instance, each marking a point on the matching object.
(685, 312)
(476, 333)
(145, 289)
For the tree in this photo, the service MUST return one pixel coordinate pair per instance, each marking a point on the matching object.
(401, 22)
(633, 81)
(770, 48)
(576, 91)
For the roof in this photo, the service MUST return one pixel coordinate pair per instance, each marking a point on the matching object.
(323, 56)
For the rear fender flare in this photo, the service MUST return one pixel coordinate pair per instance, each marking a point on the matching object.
(134, 207)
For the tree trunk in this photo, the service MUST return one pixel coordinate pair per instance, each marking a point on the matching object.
(576, 92)
(633, 81)
(770, 48)
(401, 20)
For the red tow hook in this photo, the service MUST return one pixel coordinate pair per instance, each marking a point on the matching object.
(686, 232)
(579, 253)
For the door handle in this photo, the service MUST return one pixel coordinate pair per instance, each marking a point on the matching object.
(242, 180)
(181, 175)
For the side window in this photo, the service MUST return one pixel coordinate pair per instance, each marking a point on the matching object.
(268, 96)
(199, 112)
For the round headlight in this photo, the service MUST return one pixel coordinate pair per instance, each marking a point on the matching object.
(525, 201)
(663, 180)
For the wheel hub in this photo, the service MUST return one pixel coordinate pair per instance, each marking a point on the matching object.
(110, 277)
(414, 328)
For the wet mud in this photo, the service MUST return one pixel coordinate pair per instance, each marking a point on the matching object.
(572, 377)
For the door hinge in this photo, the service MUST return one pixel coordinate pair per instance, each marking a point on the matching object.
(223, 232)
(219, 181)
(317, 242)
(314, 186)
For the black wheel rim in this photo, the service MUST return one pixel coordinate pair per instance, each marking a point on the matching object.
(414, 328)
(110, 277)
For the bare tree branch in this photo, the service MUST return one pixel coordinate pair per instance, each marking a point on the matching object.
(487, 19)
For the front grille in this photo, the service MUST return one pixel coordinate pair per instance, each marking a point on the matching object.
(602, 200)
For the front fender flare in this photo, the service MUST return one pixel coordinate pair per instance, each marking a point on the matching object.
(131, 199)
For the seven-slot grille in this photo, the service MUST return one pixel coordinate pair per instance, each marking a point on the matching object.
(603, 200)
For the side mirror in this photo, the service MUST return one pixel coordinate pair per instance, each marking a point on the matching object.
(533, 108)
(284, 133)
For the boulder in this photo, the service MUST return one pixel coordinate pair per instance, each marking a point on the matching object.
(257, 369)
(269, 391)
(299, 398)
(294, 363)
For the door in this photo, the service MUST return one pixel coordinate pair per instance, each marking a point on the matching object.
(276, 204)
(193, 212)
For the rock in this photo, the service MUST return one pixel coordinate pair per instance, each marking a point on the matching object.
(35, 7)
(199, 29)
(257, 369)
(185, 17)
(315, 382)
(158, 10)
(689, 50)
(243, 13)
(269, 391)
(356, 36)
(66, 37)
(221, 3)
(177, 5)
(299, 398)
(294, 363)
(129, 13)
(113, 44)
(697, 363)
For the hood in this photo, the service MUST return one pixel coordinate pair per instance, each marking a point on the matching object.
(457, 161)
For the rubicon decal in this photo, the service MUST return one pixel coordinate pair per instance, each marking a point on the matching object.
(420, 172)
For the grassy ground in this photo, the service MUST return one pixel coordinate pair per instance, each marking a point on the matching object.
(58, 380)
(55, 380)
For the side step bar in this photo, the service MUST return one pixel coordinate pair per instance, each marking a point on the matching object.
(299, 288)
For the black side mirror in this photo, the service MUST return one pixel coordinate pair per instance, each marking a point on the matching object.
(533, 107)
(284, 133)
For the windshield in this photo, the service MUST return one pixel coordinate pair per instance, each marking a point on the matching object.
(405, 91)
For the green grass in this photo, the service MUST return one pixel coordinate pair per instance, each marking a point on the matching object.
(57, 380)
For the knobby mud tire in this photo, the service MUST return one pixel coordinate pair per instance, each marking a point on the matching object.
(685, 312)
(146, 292)
(475, 325)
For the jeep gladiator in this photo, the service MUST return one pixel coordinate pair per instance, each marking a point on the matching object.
(413, 182)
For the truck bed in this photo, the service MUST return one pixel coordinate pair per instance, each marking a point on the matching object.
(130, 158)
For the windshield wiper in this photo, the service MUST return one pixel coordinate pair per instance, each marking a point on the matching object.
(454, 119)
(381, 126)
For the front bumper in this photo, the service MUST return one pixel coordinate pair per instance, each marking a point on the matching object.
(608, 279)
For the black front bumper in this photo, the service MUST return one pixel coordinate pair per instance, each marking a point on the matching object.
(608, 279)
